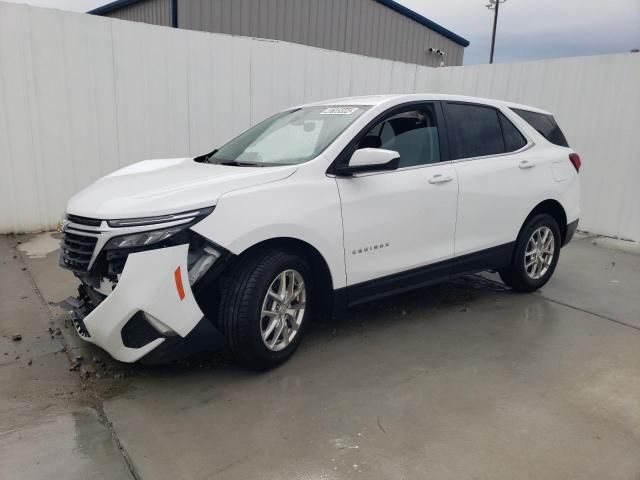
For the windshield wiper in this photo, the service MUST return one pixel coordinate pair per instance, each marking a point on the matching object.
(235, 163)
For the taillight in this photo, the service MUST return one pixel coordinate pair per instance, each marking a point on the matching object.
(575, 160)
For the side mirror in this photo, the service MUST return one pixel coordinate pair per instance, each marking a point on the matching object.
(370, 160)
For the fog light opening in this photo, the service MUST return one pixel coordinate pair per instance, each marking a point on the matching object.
(203, 264)
(158, 325)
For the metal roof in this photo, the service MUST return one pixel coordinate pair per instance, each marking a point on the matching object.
(110, 7)
(372, 100)
(401, 9)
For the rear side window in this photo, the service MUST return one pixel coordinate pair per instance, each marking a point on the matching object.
(474, 131)
(545, 125)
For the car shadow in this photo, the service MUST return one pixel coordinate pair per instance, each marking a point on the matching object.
(209, 351)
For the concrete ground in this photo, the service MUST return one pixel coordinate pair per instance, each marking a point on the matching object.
(49, 425)
(457, 381)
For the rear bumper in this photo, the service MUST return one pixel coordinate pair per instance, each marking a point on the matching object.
(154, 282)
(571, 230)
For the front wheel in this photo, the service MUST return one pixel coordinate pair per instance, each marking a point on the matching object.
(536, 255)
(266, 306)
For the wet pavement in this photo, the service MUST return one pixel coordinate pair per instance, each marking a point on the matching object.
(49, 426)
(460, 380)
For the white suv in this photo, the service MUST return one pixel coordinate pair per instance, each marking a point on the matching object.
(327, 204)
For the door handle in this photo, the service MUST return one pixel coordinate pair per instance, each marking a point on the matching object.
(438, 178)
(524, 164)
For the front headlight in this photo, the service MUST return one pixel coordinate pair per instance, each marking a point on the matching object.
(191, 216)
(142, 232)
(142, 239)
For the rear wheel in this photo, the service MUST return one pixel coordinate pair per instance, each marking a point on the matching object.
(265, 307)
(536, 255)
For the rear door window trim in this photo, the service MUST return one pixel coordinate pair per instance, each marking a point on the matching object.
(530, 143)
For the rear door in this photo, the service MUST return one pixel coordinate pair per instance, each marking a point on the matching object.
(399, 220)
(499, 176)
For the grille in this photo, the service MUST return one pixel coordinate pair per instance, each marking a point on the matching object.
(76, 251)
(92, 222)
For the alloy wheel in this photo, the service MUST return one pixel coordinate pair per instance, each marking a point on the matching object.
(539, 252)
(283, 310)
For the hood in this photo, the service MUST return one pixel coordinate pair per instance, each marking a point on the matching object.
(158, 187)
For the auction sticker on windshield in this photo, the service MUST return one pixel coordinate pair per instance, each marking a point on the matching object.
(338, 110)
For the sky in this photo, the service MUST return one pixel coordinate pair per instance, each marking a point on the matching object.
(527, 29)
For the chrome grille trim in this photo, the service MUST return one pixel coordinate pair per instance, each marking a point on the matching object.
(86, 221)
(77, 250)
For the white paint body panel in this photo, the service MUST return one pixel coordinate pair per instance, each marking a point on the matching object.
(304, 206)
(396, 221)
(158, 187)
(147, 283)
(496, 195)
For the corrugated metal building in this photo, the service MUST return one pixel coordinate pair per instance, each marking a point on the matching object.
(376, 28)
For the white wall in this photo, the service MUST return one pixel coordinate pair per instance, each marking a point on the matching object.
(82, 95)
(596, 101)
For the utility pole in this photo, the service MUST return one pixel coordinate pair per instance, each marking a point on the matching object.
(495, 6)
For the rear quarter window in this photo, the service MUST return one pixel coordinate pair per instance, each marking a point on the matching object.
(513, 139)
(544, 124)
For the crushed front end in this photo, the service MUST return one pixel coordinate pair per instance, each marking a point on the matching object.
(136, 279)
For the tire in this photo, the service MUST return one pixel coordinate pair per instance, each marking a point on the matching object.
(532, 275)
(246, 297)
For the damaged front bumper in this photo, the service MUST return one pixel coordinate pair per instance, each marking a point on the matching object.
(151, 303)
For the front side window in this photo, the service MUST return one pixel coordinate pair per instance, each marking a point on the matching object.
(474, 131)
(288, 138)
(413, 134)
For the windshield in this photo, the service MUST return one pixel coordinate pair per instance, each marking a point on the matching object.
(288, 138)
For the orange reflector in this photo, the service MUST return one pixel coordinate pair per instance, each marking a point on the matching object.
(177, 275)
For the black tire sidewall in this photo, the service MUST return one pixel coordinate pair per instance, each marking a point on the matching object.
(518, 267)
(254, 352)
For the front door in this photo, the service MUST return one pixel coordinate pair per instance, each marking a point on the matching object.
(398, 221)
